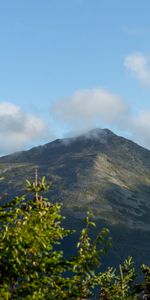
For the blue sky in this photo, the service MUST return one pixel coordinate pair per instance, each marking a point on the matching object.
(67, 66)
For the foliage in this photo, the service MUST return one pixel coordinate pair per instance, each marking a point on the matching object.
(119, 286)
(32, 263)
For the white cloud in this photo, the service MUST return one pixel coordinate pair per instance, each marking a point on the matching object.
(18, 129)
(87, 108)
(139, 65)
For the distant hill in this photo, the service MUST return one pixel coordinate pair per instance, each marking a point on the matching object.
(99, 171)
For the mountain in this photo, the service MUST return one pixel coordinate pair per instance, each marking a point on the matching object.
(98, 171)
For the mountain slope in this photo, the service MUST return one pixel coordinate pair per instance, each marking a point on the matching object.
(100, 172)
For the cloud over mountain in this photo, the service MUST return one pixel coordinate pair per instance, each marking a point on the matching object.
(18, 128)
(84, 110)
(90, 108)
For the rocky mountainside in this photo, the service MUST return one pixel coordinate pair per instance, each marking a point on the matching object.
(100, 172)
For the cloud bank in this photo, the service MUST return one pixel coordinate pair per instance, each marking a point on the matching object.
(18, 129)
(139, 65)
(84, 110)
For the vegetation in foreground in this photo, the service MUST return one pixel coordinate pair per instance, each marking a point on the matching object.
(32, 266)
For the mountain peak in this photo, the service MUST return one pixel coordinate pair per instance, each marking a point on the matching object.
(99, 132)
(101, 135)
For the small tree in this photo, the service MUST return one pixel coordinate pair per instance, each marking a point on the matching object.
(30, 267)
(88, 260)
(119, 285)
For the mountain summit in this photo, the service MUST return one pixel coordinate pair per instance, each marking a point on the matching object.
(97, 171)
